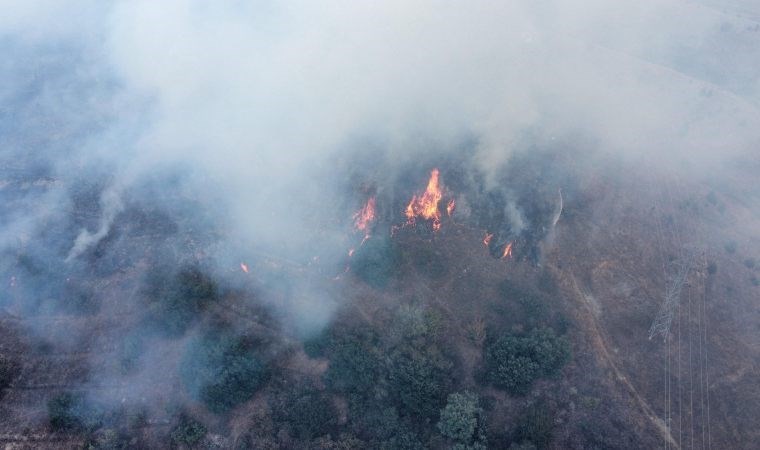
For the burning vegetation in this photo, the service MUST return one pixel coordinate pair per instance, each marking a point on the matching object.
(381, 380)
(425, 205)
(436, 342)
(364, 218)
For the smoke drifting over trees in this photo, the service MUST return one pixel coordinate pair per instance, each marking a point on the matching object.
(180, 253)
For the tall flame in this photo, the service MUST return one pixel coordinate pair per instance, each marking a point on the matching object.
(363, 221)
(365, 216)
(507, 251)
(426, 205)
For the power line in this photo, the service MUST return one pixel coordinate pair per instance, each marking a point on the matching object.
(707, 368)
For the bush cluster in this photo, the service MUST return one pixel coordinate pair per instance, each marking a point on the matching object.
(515, 362)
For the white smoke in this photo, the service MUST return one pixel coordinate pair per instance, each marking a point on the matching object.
(111, 205)
(258, 100)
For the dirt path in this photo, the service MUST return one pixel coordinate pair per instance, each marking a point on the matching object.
(596, 335)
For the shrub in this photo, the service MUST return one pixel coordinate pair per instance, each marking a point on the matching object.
(318, 345)
(308, 412)
(70, 412)
(404, 440)
(460, 420)
(515, 362)
(176, 304)
(376, 261)
(418, 382)
(187, 431)
(354, 367)
(130, 352)
(8, 372)
(222, 371)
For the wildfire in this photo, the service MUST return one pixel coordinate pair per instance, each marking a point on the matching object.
(365, 216)
(450, 207)
(244, 267)
(426, 205)
(363, 221)
(507, 251)
(487, 239)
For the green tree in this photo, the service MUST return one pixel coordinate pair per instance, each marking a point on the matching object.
(418, 382)
(307, 412)
(188, 431)
(222, 371)
(68, 411)
(515, 362)
(176, 302)
(461, 422)
(354, 367)
(384, 429)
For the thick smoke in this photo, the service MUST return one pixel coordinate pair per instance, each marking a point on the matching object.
(233, 123)
(255, 105)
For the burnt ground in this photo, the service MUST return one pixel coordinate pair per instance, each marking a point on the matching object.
(602, 279)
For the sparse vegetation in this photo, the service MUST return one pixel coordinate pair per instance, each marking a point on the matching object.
(535, 427)
(109, 439)
(427, 261)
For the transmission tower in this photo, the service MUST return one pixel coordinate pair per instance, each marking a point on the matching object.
(662, 321)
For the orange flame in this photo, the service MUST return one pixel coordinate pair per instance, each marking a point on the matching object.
(365, 216)
(487, 239)
(450, 207)
(507, 251)
(426, 205)
(244, 267)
